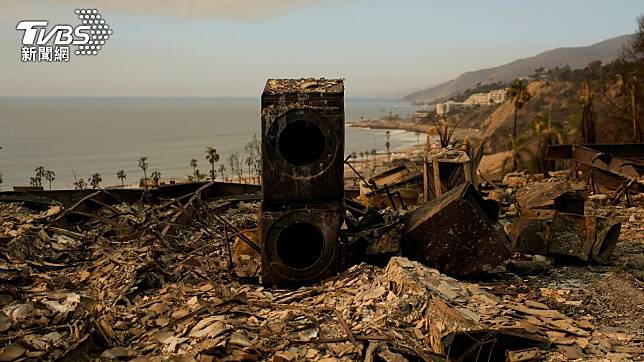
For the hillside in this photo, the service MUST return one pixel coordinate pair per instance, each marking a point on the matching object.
(559, 100)
(575, 57)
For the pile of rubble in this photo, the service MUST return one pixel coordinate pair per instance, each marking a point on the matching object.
(102, 279)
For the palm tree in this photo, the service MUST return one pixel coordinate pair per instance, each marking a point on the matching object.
(121, 176)
(235, 168)
(193, 164)
(518, 148)
(249, 163)
(50, 176)
(373, 154)
(156, 175)
(80, 184)
(213, 157)
(40, 173)
(222, 169)
(1, 176)
(95, 180)
(387, 145)
(518, 94)
(143, 164)
(198, 175)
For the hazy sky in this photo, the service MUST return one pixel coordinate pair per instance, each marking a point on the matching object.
(230, 47)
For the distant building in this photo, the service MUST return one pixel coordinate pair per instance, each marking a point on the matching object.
(480, 99)
(149, 182)
(449, 106)
(497, 96)
(420, 115)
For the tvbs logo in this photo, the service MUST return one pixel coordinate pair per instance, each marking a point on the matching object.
(41, 44)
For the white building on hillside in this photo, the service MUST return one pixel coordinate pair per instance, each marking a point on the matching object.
(480, 99)
(497, 96)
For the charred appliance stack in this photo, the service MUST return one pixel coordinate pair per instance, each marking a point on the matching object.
(302, 179)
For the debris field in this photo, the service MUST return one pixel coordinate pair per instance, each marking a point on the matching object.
(140, 281)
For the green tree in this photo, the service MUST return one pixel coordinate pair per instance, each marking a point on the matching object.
(121, 176)
(50, 176)
(143, 164)
(519, 95)
(212, 157)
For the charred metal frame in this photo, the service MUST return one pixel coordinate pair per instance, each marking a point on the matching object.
(302, 180)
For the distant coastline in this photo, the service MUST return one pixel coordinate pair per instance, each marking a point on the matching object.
(401, 124)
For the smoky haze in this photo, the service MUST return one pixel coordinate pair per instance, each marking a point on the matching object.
(229, 48)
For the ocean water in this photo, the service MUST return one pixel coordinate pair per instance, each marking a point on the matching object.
(81, 136)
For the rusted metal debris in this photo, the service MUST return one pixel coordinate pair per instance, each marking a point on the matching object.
(216, 190)
(457, 233)
(397, 187)
(550, 232)
(111, 282)
(444, 169)
(557, 194)
(604, 167)
(552, 222)
(492, 345)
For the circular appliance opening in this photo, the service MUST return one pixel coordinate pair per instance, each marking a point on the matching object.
(301, 143)
(608, 244)
(300, 245)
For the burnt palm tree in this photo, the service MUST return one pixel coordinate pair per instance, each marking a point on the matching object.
(121, 176)
(221, 170)
(95, 180)
(50, 176)
(40, 174)
(519, 95)
(143, 164)
(212, 157)
(80, 184)
(199, 176)
(387, 145)
(193, 164)
(156, 175)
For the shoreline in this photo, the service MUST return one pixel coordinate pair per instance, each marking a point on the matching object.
(404, 125)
